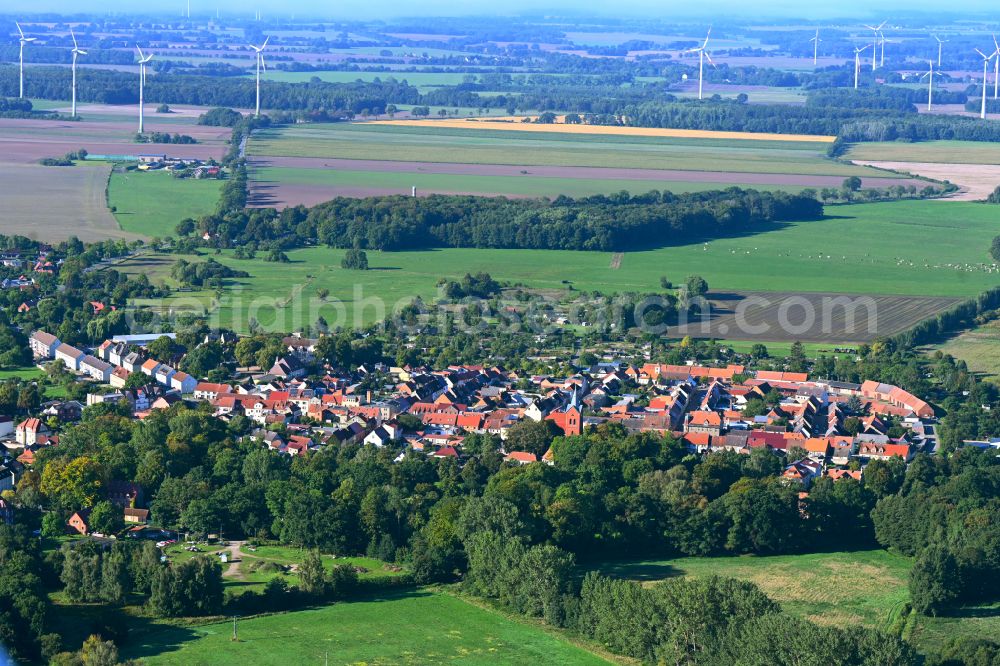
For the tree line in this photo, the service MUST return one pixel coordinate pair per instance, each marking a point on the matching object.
(603, 222)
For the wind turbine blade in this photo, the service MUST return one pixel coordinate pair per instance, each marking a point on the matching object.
(870, 27)
(74, 38)
(882, 24)
(141, 54)
(982, 54)
(19, 29)
(81, 52)
(30, 39)
(996, 44)
(711, 62)
(266, 40)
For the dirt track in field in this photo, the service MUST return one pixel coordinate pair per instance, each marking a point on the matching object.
(810, 317)
(976, 181)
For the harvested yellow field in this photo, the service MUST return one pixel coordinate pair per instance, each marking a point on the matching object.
(516, 125)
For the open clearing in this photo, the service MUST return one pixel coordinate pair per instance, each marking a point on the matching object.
(906, 248)
(847, 589)
(842, 589)
(411, 627)
(979, 348)
(54, 203)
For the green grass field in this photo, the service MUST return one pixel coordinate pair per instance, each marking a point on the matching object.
(152, 203)
(842, 589)
(947, 152)
(524, 185)
(414, 627)
(847, 589)
(484, 146)
(908, 248)
(979, 348)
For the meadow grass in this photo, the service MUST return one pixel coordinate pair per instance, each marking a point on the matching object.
(427, 143)
(945, 152)
(152, 203)
(978, 347)
(884, 248)
(523, 185)
(844, 589)
(410, 627)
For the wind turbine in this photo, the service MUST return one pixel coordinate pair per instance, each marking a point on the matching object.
(930, 82)
(77, 51)
(702, 54)
(815, 40)
(260, 63)
(143, 59)
(940, 42)
(986, 63)
(875, 30)
(24, 40)
(882, 40)
(996, 66)
(857, 63)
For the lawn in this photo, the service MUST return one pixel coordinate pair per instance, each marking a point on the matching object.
(946, 152)
(528, 185)
(428, 142)
(979, 348)
(413, 627)
(24, 374)
(152, 203)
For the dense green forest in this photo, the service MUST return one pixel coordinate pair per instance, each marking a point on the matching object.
(615, 222)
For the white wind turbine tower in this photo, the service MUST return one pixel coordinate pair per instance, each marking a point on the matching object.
(882, 41)
(77, 51)
(815, 40)
(930, 82)
(857, 63)
(996, 66)
(260, 63)
(702, 54)
(986, 64)
(143, 59)
(875, 30)
(24, 40)
(940, 42)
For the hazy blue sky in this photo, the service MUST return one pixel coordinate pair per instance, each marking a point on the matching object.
(392, 8)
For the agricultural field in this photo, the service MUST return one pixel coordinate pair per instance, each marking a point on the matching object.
(978, 347)
(845, 589)
(74, 197)
(411, 627)
(152, 203)
(310, 164)
(73, 203)
(907, 249)
(944, 152)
